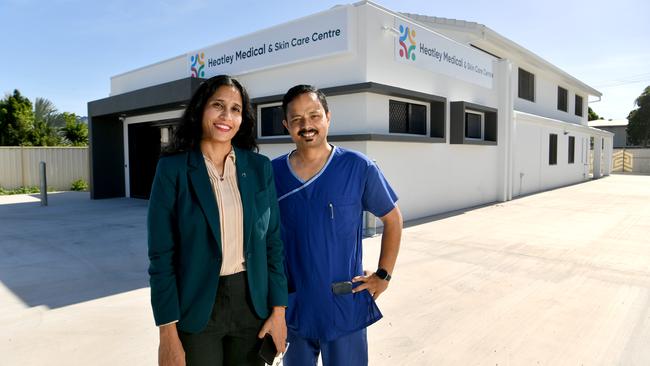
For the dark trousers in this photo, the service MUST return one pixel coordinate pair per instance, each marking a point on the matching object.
(230, 338)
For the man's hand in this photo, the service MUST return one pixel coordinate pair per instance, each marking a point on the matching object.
(170, 350)
(372, 283)
(276, 326)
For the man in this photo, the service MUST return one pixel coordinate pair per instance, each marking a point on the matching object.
(322, 192)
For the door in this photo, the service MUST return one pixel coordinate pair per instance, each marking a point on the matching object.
(144, 152)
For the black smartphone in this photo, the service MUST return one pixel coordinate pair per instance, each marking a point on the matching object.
(342, 288)
(267, 350)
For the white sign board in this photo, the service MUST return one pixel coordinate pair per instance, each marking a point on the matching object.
(423, 48)
(315, 36)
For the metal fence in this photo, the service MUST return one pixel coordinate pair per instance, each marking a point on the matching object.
(19, 166)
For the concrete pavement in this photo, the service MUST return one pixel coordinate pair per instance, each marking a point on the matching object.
(557, 278)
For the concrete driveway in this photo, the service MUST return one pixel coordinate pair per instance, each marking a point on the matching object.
(557, 278)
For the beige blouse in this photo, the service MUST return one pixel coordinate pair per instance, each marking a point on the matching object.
(231, 216)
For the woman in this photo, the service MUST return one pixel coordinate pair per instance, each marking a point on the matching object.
(216, 260)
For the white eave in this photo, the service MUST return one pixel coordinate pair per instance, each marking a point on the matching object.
(484, 33)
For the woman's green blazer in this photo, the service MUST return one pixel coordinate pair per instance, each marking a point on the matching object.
(185, 241)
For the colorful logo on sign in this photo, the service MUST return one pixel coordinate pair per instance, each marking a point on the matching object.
(407, 51)
(198, 64)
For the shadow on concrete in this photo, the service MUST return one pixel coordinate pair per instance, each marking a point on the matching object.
(73, 250)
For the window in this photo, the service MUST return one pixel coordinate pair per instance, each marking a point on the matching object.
(526, 85)
(270, 118)
(572, 149)
(552, 149)
(407, 117)
(562, 99)
(578, 105)
(474, 125)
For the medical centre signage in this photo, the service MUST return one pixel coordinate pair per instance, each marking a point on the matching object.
(423, 48)
(316, 36)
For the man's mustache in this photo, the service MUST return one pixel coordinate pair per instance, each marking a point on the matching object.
(303, 131)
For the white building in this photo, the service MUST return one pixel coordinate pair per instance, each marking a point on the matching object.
(455, 114)
(618, 127)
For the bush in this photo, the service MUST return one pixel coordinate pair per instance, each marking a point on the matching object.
(20, 190)
(79, 185)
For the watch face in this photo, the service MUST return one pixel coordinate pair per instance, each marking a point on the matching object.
(381, 273)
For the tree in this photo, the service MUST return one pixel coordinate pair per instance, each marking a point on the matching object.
(44, 110)
(46, 124)
(592, 116)
(74, 131)
(16, 120)
(638, 128)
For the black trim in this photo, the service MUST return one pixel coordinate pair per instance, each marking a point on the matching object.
(106, 133)
(147, 100)
(552, 149)
(367, 87)
(482, 50)
(106, 150)
(526, 81)
(437, 104)
(578, 105)
(359, 137)
(457, 124)
(562, 99)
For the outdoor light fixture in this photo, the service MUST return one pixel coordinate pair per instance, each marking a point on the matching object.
(566, 132)
(392, 30)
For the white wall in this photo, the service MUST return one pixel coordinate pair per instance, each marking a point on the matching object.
(382, 67)
(532, 172)
(546, 97)
(435, 178)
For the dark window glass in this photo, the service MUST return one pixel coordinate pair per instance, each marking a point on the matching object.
(407, 118)
(572, 149)
(473, 125)
(418, 119)
(578, 105)
(552, 149)
(526, 85)
(562, 99)
(398, 117)
(271, 121)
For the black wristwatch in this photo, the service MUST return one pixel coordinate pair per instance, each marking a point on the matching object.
(383, 274)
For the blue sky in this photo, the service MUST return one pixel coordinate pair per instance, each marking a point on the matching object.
(67, 50)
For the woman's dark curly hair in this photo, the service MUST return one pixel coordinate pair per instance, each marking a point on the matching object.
(187, 136)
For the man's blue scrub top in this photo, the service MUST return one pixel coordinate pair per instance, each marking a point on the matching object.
(321, 229)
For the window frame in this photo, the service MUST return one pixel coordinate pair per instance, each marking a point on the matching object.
(566, 99)
(582, 107)
(490, 124)
(258, 112)
(409, 102)
(571, 150)
(482, 115)
(552, 149)
(438, 114)
(522, 89)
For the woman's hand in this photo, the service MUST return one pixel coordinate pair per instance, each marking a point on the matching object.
(277, 327)
(170, 350)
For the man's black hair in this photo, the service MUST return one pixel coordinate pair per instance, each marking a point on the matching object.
(297, 90)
